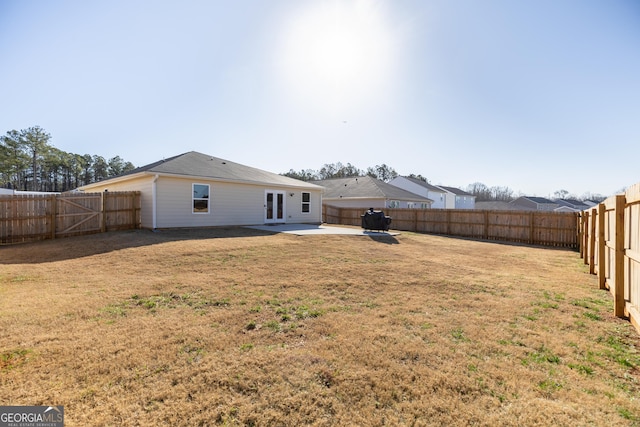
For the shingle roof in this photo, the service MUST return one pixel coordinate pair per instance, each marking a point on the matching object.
(456, 191)
(203, 165)
(500, 206)
(365, 187)
(424, 184)
(541, 200)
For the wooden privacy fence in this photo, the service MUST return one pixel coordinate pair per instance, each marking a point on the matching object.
(530, 227)
(27, 218)
(610, 244)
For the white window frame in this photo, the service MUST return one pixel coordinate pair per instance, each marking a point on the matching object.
(307, 203)
(194, 199)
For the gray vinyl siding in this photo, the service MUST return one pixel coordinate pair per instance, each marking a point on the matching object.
(143, 185)
(229, 204)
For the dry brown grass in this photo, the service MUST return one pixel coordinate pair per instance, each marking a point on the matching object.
(241, 327)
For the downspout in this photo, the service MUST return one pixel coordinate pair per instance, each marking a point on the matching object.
(154, 195)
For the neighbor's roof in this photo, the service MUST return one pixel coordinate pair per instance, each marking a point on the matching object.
(366, 187)
(456, 191)
(500, 206)
(424, 184)
(198, 165)
(539, 200)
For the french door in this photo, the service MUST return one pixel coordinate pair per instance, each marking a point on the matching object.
(274, 206)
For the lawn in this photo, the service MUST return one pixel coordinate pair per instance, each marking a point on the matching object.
(243, 327)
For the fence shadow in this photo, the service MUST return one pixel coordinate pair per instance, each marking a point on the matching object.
(53, 250)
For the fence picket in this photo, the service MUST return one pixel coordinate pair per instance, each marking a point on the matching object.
(25, 218)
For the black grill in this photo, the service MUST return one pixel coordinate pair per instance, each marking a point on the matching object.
(375, 220)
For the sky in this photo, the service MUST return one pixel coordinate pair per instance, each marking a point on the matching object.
(535, 95)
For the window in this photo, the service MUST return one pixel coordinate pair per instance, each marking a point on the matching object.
(306, 202)
(394, 204)
(200, 198)
(411, 205)
(424, 205)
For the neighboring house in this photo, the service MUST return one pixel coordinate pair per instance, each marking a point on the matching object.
(497, 206)
(422, 188)
(534, 203)
(368, 192)
(10, 192)
(570, 205)
(198, 190)
(458, 199)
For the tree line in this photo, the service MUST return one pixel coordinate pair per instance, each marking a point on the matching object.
(28, 162)
(338, 170)
(386, 173)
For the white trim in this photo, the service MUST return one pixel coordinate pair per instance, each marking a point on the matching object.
(154, 202)
(208, 198)
(275, 218)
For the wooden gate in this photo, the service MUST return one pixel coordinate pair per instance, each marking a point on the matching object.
(26, 218)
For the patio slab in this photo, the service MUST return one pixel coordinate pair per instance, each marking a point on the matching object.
(306, 229)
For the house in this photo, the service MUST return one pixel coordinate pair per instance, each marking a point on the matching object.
(458, 199)
(198, 190)
(570, 205)
(368, 192)
(497, 205)
(422, 188)
(534, 203)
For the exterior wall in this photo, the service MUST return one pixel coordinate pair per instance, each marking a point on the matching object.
(229, 204)
(372, 203)
(465, 202)
(143, 185)
(449, 200)
(405, 184)
(437, 197)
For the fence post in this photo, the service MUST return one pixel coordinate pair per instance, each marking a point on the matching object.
(54, 207)
(592, 241)
(103, 214)
(485, 235)
(531, 226)
(618, 285)
(602, 244)
(585, 235)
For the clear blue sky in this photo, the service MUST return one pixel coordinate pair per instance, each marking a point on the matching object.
(536, 95)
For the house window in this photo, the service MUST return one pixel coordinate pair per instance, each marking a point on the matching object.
(306, 202)
(411, 205)
(424, 206)
(394, 204)
(200, 198)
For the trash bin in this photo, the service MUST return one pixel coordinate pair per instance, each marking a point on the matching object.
(375, 220)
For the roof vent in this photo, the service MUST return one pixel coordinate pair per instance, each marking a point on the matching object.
(224, 163)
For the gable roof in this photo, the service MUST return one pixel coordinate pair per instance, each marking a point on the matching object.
(198, 165)
(456, 191)
(424, 184)
(572, 203)
(500, 206)
(539, 200)
(366, 187)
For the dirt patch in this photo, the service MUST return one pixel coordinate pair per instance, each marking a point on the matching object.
(244, 327)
